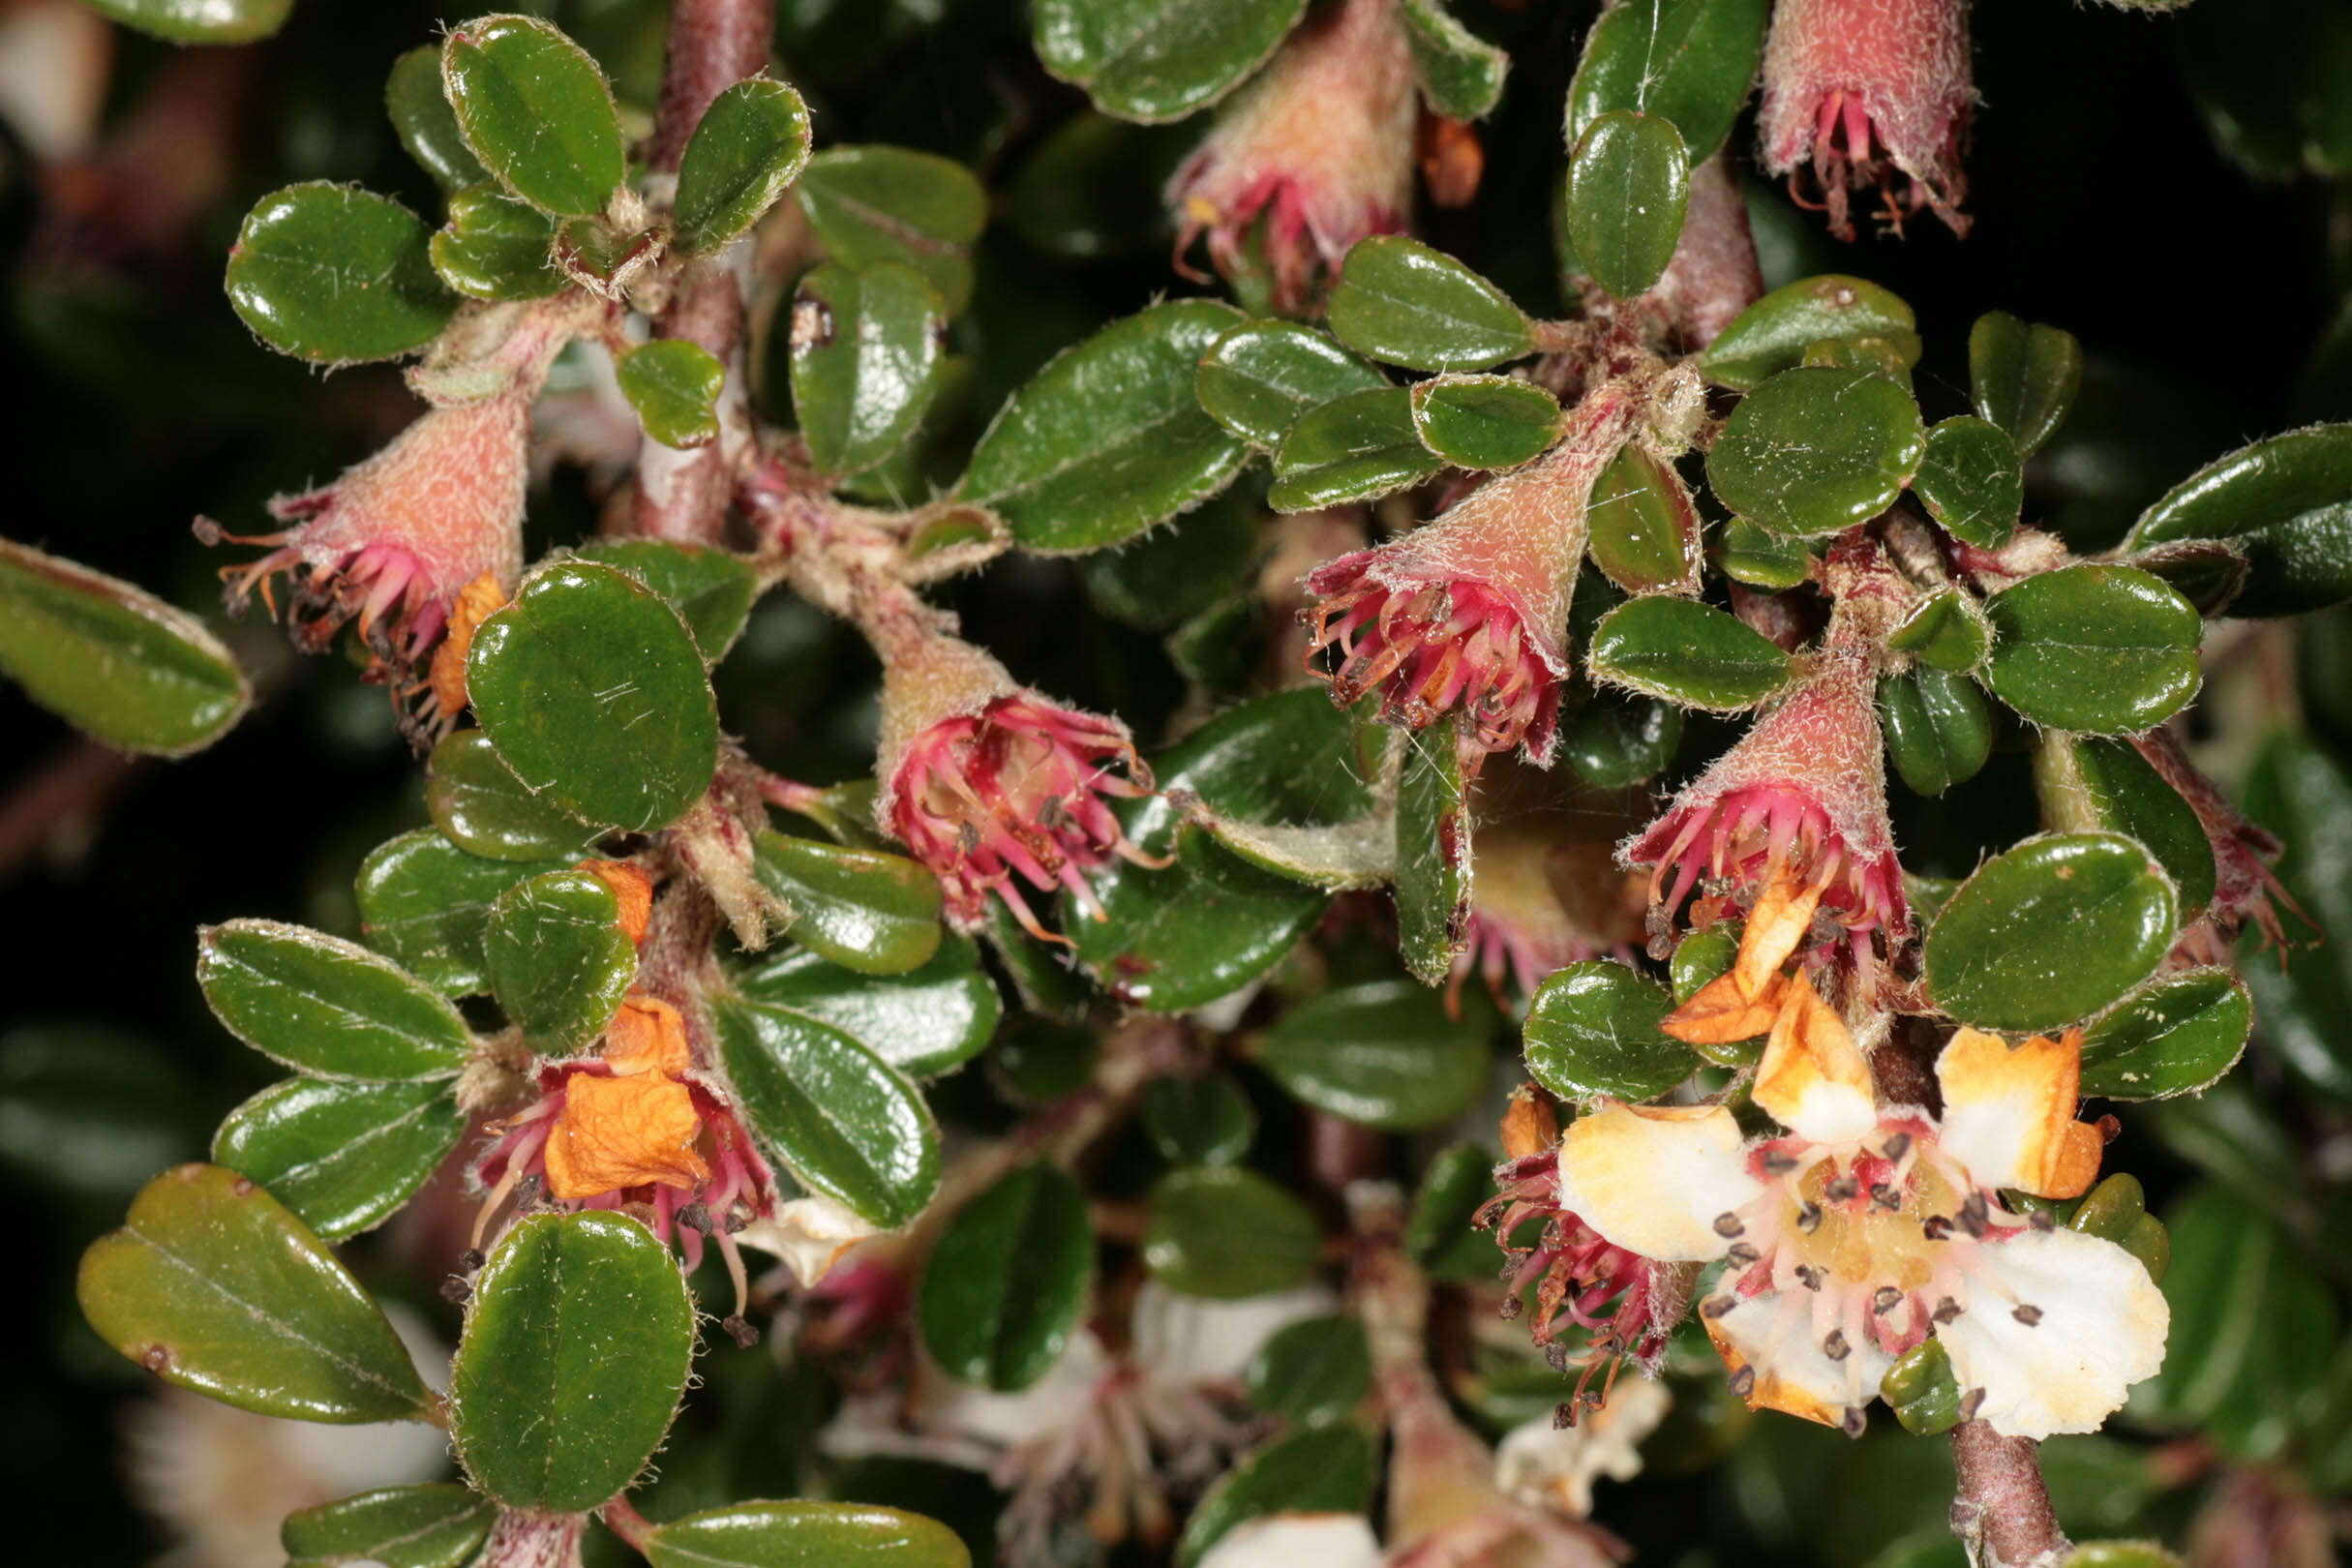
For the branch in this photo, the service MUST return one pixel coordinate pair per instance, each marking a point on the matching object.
(2001, 1510)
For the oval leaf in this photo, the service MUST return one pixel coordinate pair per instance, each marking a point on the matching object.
(1486, 421)
(424, 121)
(198, 21)
(485, 810)
(1204, 1121)
(1260, 377)
(1946, 630)
(1628, 180)
(1593, 1030)
(2050, 932)
(558, 960)
(2089, 784)
(2176, 1036)
(1227, 1233)
(1687, 652)
(1972, 481)
(673, 385)
(1642, 527)
(2023, 379)
(1140, 61)
(2103, 649)
(927, 1021)
(334, 274)
(536, 111)
(2285, 504)
(326, 1006)
(750, 145)
(430, 1526)
(865, 344)
(873, 204)
(1938, 728)
(1354, 448)
(1403, 303)
(1690, 61)
(874, 913)
(343, 1157)
(1772, 334)
(494, 247)
(711, 590)
(424, 903)
(1313, 1372)
(1005, 1280)
(1381, 1054)
(1817, 450)
(1459, 75)
(804, 1534)
(1320, 1471)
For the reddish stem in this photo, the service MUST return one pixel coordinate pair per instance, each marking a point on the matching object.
(2001, 1509)
(622, 1518)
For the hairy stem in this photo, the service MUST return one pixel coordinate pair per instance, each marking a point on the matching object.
(2001, 1510)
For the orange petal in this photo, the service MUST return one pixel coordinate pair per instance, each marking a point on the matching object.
(1719, 1012)
(632, 889)
(474, 604)
(647, 1036)
(1768, 1392)
(1813, 1079)
(1776, 928)
(616, 1132)
(2009, 1114)
(1530, 1125)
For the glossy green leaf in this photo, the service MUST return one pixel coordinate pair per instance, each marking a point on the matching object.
(1772, 334)
(1319, 1470)
(2023, 379)
(1173, 573)
(326, 1006)
(1005, 1280)
(2209, 573)
(865, 347)
(872, 204)
(2102, 649)
(1972, 480)
(536, 111)
(2285, 504)
(711, 590)
(1356, 448)
(1312, 1372)
(1261, 376)
(2177, 1035)
(114, 660)
(1227, 1233)
(1108, 438)
(1486, 421)
(440, 1526)
(874, 913)
(1441, 1234)
(1946, 630)
(343, 1157)
(1203, 1120)
(1690, 61)
(1403, 303)
(424, 903)
(1382, 1053)
(333, 273)
(424, 121)
(558, 960)
(1701, 955)
(749, 146)
(1593, 1030)
(927, 1021)
(2089, 784)
(673, 386)
(1751, 554)
(1615, 739)
(198, 21)
(1628, 181)
(1938, 728)
(485, 810)
(2050, 932)
(804, 1533)
(1642, 528)
(577, 1341)
(842, 1120)
(1817, 450)
(212, 1284)
(1040, 1062)
(1142, 61)
(494, 247)
(1687, 652)
(592, 690)
(1880, 357)
(1433, 870)
(1461, 75)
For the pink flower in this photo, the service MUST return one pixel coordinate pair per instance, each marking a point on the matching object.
(1539, 904)
(1320, 146)
(1870, 93)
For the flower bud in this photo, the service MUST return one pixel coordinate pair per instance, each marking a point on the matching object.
(1320, 146)
(1867, 93)
(1714, 274)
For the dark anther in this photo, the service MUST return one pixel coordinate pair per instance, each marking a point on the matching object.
(1728, 1223)
(735, 1223)
(1948, 1311)
(1937, 1226)
(1973, 1215)
(470, 1260)
(1854, 1421)
(1809, 1217)
(527, 1190)
(456, 1291)
(1970, 1402)
(1809, 1275)
(1718, 1305)
(1898, 1146)
(1744, 1381)
(1842, 1190)
(2028, 1315)
(1557, 1353)
(1887, 1299)
(741, 1331)
(1744, 1254)
(1778, 1163)
(1834, 1345)
(1563, 1415)
(1512, 1307)
(2044, 1220)
(696, 1216)
(1885, 1196)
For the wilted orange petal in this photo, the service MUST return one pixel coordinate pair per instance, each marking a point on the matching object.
(1776, 928)
(632, 889)
(2008, 1112)
(647, 1036)
(1813, 1079)
(1528, 1124)
(616, 1132)
(477, 602)
(1718, 1014)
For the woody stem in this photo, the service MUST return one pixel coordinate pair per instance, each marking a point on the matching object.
(2001, 1509)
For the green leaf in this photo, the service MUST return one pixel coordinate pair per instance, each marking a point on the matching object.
(2300, 788)
(1945, 630)
(843, 1121)
(592, 690)
(1381, 1053)
(1312, 1372)
(1690, 61)
(424, 903)
(1142, 61)
(750, 145)
(1203, 1120)
(874, 913)
(1040, 1062)
(872, 204)
(212, 1286)
(485, 810)
(440, 1526)
(1938, 728)
(334, 274)
(1007, 1279)
(1687, 652)
(1593, 1030)
(1461, 75)
(1227, 1233)
(925, 1022)
(1772, 334)
(1173, 573)
(1749, 553)
(2177, 1035)
(1401, 302)
(326, 1006)
(1486, 421)
(711, 590)
(198, 21)
(1628, 180)
(1700, 957)
(1260, 377)
(494, 247)
(2209, 573)
(2089, 784)
(1356, 448)
(2285, 504)
(2103, 649)
(1441, 1235)
(424, 121)
(577, 1341)
(865, 347)
(1319, 1470)
(1817, 450)
(113, 660)
(558, 960)
(1615, 739)
(1432, 871)
(804, 1534)
(2023, 379)
(1642, 528)
(2050, 932)
(1108, 438)
(343, 1157)
(673, 385)
(536, 111)
(1972, 480)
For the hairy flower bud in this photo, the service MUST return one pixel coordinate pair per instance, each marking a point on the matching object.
(1870, 93)
(1320, 146)
(1714, 274)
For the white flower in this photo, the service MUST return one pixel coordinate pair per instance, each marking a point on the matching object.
(1297, 1541)
(808, 1233)
(1180, 1339)
(1544, 1465)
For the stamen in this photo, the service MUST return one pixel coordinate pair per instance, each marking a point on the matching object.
(2027, 1313)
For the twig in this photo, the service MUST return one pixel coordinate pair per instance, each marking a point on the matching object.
(2001, 1510)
